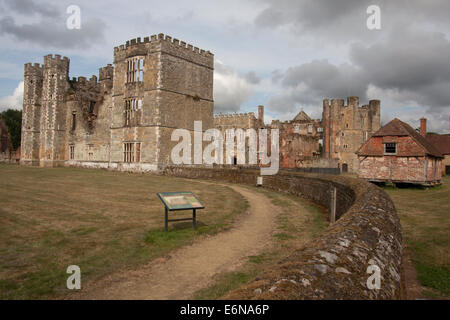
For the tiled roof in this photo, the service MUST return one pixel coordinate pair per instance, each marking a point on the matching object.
(399, 128)
(440, 142)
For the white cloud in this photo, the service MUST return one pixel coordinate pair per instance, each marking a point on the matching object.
(230, 89)
(14, 101)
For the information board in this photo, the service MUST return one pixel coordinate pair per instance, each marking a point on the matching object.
(180, 200)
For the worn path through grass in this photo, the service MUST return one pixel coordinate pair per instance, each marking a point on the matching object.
(183, 272)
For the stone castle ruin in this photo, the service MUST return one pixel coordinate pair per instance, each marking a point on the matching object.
(124, 119)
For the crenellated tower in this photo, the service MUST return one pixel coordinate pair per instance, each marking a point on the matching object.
(31, 127)
(53, 110)
(347, 127)
(160, 84)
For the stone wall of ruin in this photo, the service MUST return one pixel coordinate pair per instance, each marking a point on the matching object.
(347, 127)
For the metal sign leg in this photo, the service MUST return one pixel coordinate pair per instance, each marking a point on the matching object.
(194, 222)
(166, 220)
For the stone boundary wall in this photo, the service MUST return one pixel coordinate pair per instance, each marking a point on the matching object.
(334, 265)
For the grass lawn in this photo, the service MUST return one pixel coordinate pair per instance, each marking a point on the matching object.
(298, 223)
(425, 219)
(100, 220)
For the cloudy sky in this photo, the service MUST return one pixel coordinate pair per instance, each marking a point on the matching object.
(287, 55)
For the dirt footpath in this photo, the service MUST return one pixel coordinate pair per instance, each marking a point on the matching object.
(191, 268)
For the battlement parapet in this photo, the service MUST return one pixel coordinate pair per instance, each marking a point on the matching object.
(351, 101)
(374, 104)
(93, 79)
(249, 114)
(166, 44)
(56, 60)
(106, 72)
(35, 69)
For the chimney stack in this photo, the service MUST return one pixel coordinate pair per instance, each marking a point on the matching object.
(423, 127)
(261, 114)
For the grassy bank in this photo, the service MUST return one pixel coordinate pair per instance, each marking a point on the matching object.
(99, 220)
(425, 218)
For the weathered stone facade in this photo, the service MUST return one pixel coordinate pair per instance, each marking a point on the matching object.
(243, 121)
(299, 141)
(299, 137)
(346, 128)
(126, 118)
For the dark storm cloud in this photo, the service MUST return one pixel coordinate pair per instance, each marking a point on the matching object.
(307, 13)
(406, 61)
(29, 7)
(339, 21)
(336, 20)
(414, 62)
(54, 33)
(310, 83)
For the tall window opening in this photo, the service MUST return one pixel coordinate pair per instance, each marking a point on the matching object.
(131, 106)
(135, 69)
(131, 152)
(74, 121)
(71, 152)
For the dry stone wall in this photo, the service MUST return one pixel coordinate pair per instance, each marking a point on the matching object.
(333, 266)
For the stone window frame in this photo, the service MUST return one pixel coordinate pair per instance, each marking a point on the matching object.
(131, 152)
(71, 152)
(131, 105)
(135, 69)
(90, 151)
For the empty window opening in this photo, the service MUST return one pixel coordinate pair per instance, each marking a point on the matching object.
(131, 106)
(91, 106)
(71, 152)
(141, 70)
(74, 121)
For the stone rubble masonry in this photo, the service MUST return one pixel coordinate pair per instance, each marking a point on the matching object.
(177, 89)
(347, 127)
(299, 137)
(333, 266)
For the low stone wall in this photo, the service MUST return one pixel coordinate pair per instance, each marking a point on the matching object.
(333, 266)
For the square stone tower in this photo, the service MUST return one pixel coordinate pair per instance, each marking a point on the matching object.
(44, 112)
(174, 83)
(346, 128)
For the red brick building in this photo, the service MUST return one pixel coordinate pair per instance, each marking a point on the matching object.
(441, 142)
(397, 153)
